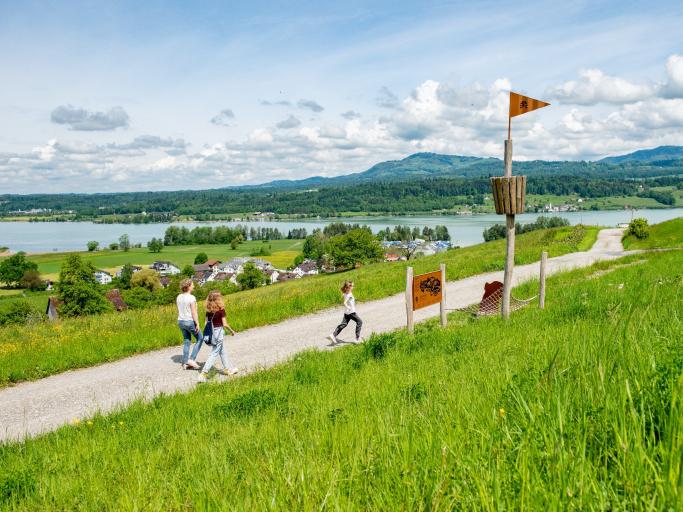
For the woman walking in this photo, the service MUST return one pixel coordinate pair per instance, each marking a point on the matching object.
(349, 313)
(216, 324)
(188, 323)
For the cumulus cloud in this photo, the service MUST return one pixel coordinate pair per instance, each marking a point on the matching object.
(83, 120)
(309, 105)
(468, 119)
(223, 118)
(386, 98)
(277, 103)
(290, 122)
(350, 115)
(593, 86)
(673, 88)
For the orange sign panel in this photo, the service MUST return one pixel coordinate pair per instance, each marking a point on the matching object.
(522, 104)
(427, 289)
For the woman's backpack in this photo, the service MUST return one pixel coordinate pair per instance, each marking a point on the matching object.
(208, 331)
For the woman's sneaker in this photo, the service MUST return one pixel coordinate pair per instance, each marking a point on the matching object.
(332, 338)
(202, 377)
(192, 364)
(230, 371)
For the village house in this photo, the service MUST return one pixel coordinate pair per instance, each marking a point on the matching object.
(225, 276)
(392, 256)
(165, 268)
(286, 276)
(164, 281)
(202, 277)
(272, 275)
(136, 268)
(306, 268)
(102, 277)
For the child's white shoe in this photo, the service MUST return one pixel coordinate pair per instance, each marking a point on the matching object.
(332, 338)
(202, 377)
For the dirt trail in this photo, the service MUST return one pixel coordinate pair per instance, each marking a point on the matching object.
(31, 408)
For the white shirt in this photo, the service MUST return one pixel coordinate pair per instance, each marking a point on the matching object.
(184, 303)
(349, 303)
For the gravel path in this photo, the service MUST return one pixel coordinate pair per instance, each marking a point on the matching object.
(32, 408)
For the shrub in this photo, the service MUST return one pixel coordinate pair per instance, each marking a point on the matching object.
(12, 269)
(202, 257)
(155, 245)
(92, 245)
(146, 278)
(251, 277)
(138, 298)
(16, 312)
(32, 281)
(78, 290)
(639, 228)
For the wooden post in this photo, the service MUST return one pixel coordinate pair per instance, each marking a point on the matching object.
(541, 290)
(509, 240)
(442, 305)
(409, 299)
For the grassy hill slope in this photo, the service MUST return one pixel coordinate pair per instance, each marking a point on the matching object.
(664, 234)
(35, 351)
(575, 407)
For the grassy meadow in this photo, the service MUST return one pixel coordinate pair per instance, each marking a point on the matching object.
(576, 407)
(283, 252)
(667, 234)
(35, 351)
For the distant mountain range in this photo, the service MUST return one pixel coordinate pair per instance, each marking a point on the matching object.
(433, 165)
(659, 154)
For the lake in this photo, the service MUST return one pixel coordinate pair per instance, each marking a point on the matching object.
(464, 230)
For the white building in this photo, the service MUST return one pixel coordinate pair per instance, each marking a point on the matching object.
(102, 277)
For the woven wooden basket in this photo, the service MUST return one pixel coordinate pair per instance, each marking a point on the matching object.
(509, 194)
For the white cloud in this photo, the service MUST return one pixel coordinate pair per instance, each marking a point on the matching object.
(593, 87)
(468, 119)
(82, 120)
(673, 88)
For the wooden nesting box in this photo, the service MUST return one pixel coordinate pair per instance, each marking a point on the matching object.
(509, 194)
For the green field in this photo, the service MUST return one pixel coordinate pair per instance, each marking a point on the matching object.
(576, 407)
(46, 349)
(665, 234)
(50, 263)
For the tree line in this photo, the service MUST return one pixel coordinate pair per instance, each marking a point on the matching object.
(381, 196)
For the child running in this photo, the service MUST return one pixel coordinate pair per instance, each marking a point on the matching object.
(215, 314)
(349, 313)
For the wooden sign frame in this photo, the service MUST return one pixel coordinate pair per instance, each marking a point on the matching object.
(421, 291)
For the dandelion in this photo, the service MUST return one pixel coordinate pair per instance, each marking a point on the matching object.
(90, 423)
(121, 423)
(76, 421)
(501, 412)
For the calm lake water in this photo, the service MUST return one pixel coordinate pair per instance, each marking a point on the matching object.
(464, 230)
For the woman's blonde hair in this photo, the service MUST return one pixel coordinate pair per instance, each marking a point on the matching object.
(214, 302)
(346, 286)
(185, 284)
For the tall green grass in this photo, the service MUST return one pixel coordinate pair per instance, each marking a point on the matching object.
(577, 407)
(664, 234)
(33, 352)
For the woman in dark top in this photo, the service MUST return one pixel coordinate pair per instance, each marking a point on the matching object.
(215, 313)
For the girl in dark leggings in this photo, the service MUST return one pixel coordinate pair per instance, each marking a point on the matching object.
(349, 313)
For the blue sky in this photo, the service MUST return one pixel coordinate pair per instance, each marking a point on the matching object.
(165, 95)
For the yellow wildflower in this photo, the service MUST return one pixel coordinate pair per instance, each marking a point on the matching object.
(76, 421)
(501, 412)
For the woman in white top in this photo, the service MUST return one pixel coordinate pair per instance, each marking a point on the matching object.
(349, 313)
(188, 321)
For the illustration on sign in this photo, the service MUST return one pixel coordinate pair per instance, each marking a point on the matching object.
(427, 290)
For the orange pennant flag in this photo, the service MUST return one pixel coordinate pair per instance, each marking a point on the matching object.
(522, 104)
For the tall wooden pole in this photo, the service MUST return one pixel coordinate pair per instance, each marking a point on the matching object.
(409, 299)
(442, 305)
(510, 239)
(541, 289)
